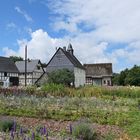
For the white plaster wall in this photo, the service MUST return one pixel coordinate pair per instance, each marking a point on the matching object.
(106, 79)
(80, 76)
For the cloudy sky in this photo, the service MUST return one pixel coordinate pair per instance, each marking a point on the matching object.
(99, 30)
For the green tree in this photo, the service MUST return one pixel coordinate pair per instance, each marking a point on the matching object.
(122, 76)
(133, 76)
(16, 58)
(115, 78)
(62, 76)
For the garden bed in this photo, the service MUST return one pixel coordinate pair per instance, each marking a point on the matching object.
(109, 109)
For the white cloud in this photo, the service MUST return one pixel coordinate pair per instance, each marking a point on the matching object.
(92, 26)
(114, 20)
(129, 53)
(41, 46)
(61, 25)
(23, 13)
(8, 52)
(109, 21)
(11, 25)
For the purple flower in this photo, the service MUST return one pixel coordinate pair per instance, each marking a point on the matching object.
(21, 131)
(41, 131)
(12, 135)
(33, 136)
(70, 129)
(14, 126)
(44, 130)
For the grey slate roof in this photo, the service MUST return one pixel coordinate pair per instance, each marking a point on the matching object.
(7, 65)
(71, 57)
(30, 65)
(98, 70)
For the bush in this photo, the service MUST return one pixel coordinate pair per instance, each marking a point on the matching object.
(6, 125)
(54, 89)
(84, 131)
(30, 89)
(62, 76)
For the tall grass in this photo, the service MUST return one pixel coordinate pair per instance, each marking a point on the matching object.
(86, 91)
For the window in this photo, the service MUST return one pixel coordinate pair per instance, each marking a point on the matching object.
(89, 81)
(38, 67)
(104, 82)
(5, 74)
(108, 82)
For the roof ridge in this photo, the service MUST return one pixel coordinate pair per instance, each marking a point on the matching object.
(73, 59)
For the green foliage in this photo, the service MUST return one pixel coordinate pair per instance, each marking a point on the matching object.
(102, 105)
(16, 58)
(62, 76)
(115, 79)
(30, 89)
(84, 131)
(122, 77)
(60, 90)
(54, 89)
(133, 77)
(128, 77)
(110, 136)
(6, 125)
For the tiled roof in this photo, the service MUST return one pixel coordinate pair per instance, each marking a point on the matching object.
(7, 65)
(98, 70)
(30, 65)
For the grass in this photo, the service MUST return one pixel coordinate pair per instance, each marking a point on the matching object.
(107, 106)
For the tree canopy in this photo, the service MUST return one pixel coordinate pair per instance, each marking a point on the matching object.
(16, 58)
(128, 77)
(62, 76)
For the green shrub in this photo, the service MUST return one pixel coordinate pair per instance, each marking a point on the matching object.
(54, 89)
(84, 131)
(30, 89)
(6, 125)
(61, 76)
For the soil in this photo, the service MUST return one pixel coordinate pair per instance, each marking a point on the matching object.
(58, 126)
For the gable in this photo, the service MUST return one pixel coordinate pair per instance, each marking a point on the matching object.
(38, 67)
(59, 61)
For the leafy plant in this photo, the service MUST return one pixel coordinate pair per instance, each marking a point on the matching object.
(84, 131)
(6, 125)
(62, 76)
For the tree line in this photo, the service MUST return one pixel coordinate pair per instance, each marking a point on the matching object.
(127, 77)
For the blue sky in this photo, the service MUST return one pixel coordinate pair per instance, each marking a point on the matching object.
(100, 31)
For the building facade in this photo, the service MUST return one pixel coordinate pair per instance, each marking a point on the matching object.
(99, 74)
(64, 58)
(34, 71)
(8, 72)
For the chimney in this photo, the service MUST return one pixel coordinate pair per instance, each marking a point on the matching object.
(64, 48)
(70, 49)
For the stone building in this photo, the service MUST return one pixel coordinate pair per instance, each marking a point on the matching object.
(99, 74)
(64, 58)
